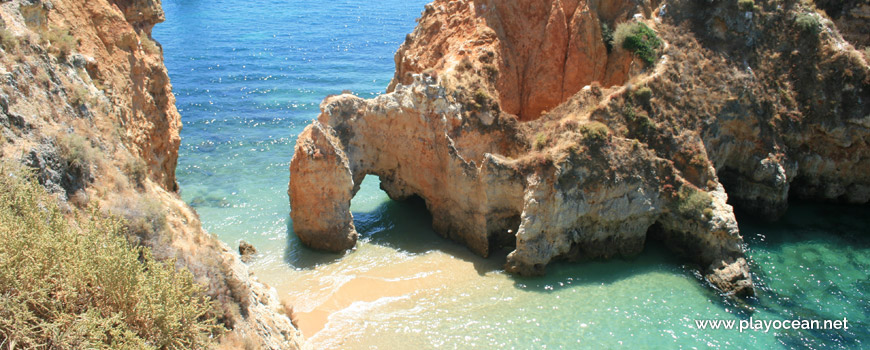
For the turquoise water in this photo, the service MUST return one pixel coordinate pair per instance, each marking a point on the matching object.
(249, 76)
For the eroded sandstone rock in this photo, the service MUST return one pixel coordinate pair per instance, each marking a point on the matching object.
(593, 203)
(757, 106)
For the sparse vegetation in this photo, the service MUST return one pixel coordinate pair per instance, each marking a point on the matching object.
(136, 169)
(144, 217)
(148, 44)
(691, 201)
(75, 283)
(638, 38)
(79, 95)
(42, 78)
(8, 40)
(607, 36)
(808, 23)
(77, 151)
(699, 160)
(61, 43)
(746, 5)
(491, 70)
(289, 311)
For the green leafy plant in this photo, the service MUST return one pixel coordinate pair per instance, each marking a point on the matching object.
(808, 23)
(642, 94)
(638, 38)
(594, 131)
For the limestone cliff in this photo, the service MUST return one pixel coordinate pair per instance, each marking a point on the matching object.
(742, 105)
(87, 104)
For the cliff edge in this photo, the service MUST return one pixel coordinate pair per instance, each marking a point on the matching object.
(574, 130)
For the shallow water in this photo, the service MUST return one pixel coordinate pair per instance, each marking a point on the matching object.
(249, 76)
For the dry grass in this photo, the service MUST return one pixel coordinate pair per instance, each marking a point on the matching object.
(61, 42)
(136, 170)
(234, 341)
(148, 44)
(78, 152)
(288, 310)
(8, 40)
(79, 95)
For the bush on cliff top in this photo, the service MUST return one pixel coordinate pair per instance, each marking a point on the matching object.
(691, 201)
(75, 283)
(808, 23)
(595, 131)
(638, 38)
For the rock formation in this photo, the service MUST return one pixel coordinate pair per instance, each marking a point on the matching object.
(751, 102)
(87, 104)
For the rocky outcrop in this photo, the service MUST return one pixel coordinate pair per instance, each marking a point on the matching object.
(87, 104)
(762, 107)
(538, 53)
(595, 201)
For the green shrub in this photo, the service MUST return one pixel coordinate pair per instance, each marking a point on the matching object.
(540, 141)
(691, 201)
(642, 94)
(746, 5)
(638, 38)
(75, 283)
(594, 131)
(808, 23)
(607, 36)
(481, 97)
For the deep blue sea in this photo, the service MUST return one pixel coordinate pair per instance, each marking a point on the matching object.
(248, 77)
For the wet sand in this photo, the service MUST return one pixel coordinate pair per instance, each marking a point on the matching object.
(370, 274)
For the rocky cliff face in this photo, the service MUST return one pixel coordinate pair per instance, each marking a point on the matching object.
(743, 106)
(86, 102)
(537, 53)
